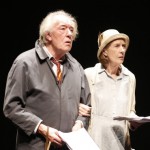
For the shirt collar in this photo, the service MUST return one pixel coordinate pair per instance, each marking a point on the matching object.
(99, 67)
(62, 61)
(47, 52)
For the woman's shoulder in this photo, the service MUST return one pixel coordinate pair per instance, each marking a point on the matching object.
(95, 67)
(92, 71)
(128, 72)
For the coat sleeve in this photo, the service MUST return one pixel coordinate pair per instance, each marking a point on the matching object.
(14, 106)
(85, 97)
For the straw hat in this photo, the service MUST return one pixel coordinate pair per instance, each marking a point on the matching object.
(108, 36)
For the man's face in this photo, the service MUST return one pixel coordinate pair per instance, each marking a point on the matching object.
(62, 35)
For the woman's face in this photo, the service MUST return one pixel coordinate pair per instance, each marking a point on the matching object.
(115, 51)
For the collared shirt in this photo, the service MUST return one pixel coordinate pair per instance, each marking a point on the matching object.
(54, 67)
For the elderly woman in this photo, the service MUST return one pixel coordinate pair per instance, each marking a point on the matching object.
(112, 87)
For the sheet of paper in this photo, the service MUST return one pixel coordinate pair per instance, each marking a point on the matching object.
(138, 119)
(78, 140)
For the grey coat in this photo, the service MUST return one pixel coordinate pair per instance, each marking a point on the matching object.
(32, 94)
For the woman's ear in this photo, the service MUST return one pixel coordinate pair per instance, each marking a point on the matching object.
(104, 52)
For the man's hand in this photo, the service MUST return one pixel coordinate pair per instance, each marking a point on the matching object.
(53, 135)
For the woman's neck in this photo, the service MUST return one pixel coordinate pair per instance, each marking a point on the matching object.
(113, 71)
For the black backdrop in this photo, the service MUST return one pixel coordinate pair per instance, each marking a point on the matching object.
(19, 30)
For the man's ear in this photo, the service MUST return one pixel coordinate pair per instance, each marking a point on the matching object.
(48, 36)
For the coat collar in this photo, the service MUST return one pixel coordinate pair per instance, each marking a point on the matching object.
(43, 56)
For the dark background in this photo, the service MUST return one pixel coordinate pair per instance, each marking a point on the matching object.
(19, 31)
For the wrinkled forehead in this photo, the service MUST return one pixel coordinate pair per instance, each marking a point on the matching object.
(60, 19)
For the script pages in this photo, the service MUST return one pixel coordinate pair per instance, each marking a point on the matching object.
(78, 140)
(133, 118)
